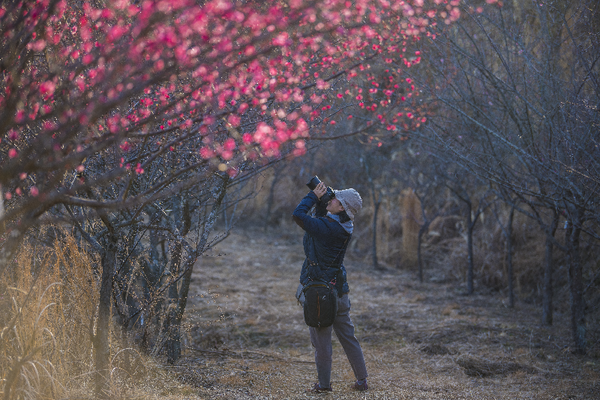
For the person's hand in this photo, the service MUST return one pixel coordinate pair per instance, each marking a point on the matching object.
(320, 190)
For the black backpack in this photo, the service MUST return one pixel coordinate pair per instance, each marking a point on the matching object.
(320, 304)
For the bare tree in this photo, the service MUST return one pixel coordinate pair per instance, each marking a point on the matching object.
(515, 87)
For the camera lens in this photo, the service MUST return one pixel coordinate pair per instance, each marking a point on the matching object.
(314, 181)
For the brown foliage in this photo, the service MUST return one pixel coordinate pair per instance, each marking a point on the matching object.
(410, 209)
(444, 227)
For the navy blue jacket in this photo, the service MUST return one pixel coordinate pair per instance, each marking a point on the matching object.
(325, 242)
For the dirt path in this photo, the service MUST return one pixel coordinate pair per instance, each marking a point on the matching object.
(247, 339)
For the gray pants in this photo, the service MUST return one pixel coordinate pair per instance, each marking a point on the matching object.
(344, 330)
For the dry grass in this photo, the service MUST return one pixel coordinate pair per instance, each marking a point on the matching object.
(246, 338)
(48, 307)
(48, 302)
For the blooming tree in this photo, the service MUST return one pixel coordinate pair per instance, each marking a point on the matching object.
(237, 80)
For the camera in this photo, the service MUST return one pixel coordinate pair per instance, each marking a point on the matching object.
(312, 184)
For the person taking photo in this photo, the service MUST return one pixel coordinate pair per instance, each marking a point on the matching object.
(326, 238)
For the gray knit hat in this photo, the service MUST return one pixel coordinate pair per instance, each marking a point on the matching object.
(351, 201)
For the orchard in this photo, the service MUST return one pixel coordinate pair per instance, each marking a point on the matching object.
(109, 109)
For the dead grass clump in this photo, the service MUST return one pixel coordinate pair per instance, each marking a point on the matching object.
(484, 368)
(454, 258)
(444, 227)
(45, 345)
(436, 350)
(48, 302)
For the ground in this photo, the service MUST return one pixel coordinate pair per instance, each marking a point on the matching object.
(246, 338)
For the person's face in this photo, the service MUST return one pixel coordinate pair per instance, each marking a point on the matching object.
(334, 206)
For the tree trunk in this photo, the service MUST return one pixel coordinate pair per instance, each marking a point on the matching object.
(101, 338)
(578, 325)
(422, 230)
(470, 268)
(374, 244)
(2, 224)
(171, 326)
(174, 343)
(548, 270)
(509, 253)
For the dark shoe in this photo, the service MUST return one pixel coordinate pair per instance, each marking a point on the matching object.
(361, 387)
(318, 389)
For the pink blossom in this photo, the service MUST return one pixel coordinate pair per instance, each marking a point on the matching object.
(232, 172)
(229, 144)
(33, 191)
(38, 45)
(106, 13)
(226, 155)
(299, 152)
(206, 153)
(234, 120)
(120, 4)
(47, 88)
(454, 14)
(12, 153)
(281, 39)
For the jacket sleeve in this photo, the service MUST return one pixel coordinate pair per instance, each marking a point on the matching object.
(314, 226)
(300, 214)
